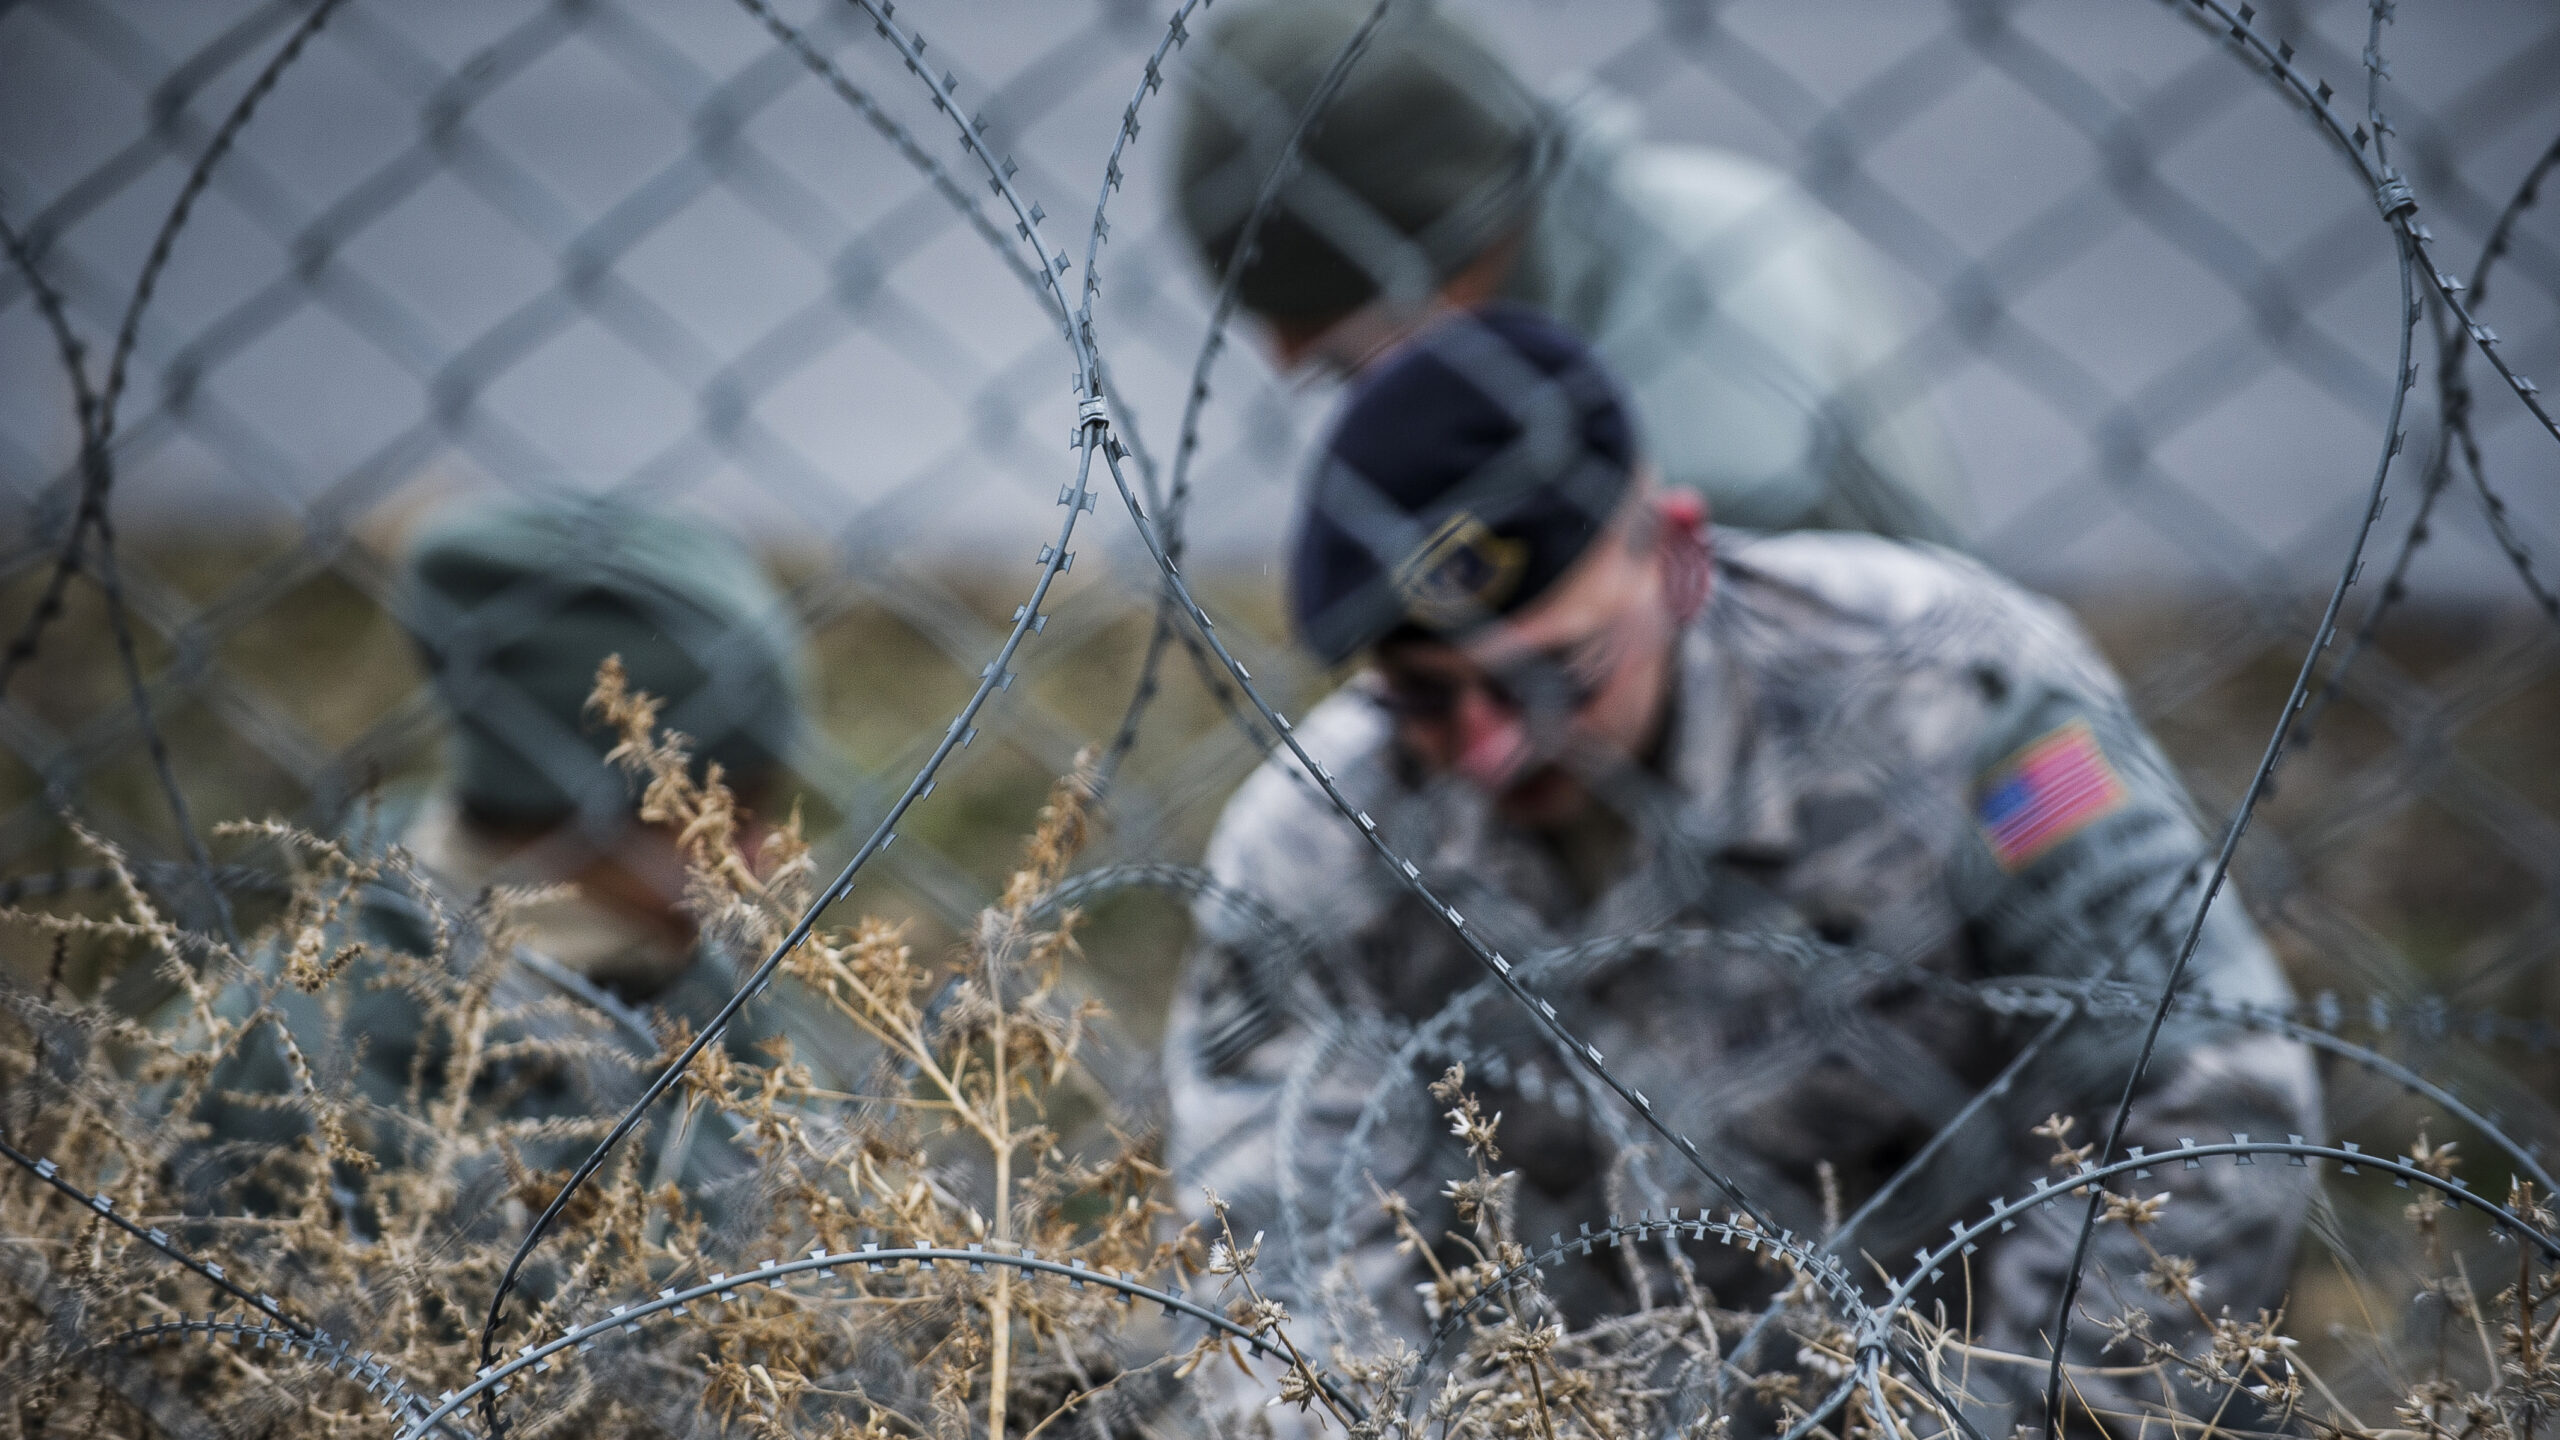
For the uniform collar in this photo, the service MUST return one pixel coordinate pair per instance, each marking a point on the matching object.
(1734, 800)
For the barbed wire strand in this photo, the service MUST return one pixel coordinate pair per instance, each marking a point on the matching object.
(495, 1374)
(275, 1319)
(1092, 424)
(1167, 626)
(97, 411)
(1409, 875)
(1100, 414)
(97, 460)
(381, 1383)
(2396, 206)
(84, 404)
(2454, 408)
(2456, 390)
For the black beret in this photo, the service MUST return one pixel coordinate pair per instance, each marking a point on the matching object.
(1466, 472)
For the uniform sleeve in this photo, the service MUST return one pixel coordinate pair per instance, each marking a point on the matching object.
(2085, 863)
(1273, 1044)
(1265, 1078)
(1758, 338)
(1263, 1102)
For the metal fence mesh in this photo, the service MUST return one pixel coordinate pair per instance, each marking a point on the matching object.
(728, 259)
(647, 249)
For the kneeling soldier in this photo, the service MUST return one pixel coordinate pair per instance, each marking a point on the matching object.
(1809, 835)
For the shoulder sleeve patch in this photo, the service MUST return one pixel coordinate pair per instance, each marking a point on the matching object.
(2046, 792)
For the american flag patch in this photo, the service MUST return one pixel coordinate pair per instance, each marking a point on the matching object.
(2047, 793)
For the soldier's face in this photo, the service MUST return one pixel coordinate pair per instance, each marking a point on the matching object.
(1569, 688)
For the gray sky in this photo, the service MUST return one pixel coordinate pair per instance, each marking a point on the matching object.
(473, 244)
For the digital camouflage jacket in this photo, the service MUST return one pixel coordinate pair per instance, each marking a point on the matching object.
(1902, 821)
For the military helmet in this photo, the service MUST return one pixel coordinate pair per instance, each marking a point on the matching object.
(1429, 150)
(514, 607)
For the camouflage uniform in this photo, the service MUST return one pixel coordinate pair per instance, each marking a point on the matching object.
(1822, 901)
(368, 1038)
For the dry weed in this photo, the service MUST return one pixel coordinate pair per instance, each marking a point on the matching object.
(229, 1152)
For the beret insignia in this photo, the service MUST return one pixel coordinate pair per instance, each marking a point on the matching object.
(1461, 574)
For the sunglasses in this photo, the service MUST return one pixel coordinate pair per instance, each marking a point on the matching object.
(1558, 681)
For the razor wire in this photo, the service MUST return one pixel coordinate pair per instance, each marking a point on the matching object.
(494, 1377)
(2396, 202)
(98, 428)
(1831, 1275)
(1027, 619)
(1179, 615)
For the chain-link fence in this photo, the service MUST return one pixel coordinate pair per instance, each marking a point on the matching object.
(649, 251)
(322, 269)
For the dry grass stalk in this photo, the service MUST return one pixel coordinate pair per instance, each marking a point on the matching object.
(235, 1120)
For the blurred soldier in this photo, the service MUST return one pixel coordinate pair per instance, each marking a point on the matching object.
(1810, 803)
(1752, 330)
(513, 610)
